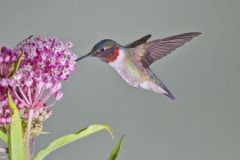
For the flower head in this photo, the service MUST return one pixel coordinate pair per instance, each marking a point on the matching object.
(45, 64)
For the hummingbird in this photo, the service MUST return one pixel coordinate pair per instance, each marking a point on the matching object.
(132, 61)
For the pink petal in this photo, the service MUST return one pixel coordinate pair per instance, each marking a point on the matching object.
(58, 95)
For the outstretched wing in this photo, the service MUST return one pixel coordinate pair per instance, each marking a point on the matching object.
(151, 51)
(139, 41)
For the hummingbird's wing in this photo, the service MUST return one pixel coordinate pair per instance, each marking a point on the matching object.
(151, 51)
(139, 41)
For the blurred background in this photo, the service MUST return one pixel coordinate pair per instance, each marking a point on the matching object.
(203, 123)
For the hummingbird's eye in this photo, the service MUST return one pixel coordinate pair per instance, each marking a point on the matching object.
(102, 50)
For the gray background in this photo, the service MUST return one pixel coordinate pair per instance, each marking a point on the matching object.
(203, 123)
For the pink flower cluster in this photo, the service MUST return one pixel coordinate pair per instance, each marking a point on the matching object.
(45, 64)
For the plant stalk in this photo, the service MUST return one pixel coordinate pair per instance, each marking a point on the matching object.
(28, 135)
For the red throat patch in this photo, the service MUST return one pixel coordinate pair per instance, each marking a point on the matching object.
(113, 56)
(116, 52)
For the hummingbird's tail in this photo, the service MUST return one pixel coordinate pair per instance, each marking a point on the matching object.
(166, 92)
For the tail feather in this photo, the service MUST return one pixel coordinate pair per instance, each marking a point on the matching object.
(162, 85)
(168, 92)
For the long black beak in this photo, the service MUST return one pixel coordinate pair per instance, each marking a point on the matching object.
(84, 56)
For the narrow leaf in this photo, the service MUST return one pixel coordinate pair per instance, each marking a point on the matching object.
(16, 144)
(3, 136)
(16, 65)
(71, 138)
(116, 150)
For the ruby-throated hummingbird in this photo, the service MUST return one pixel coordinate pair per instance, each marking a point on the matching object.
(132, 61)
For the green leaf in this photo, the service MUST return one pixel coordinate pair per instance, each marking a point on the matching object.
(3, 136)
(15, 143)
(116, 150)
(16, 65)
(70, 138)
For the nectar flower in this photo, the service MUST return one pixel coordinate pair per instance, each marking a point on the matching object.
(36, 85)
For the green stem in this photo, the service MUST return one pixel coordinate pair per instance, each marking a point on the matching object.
(28, 134)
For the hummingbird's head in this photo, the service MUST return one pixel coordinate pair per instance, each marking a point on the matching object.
(106, 50)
